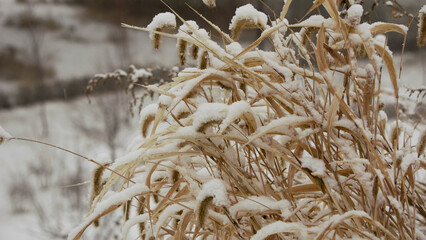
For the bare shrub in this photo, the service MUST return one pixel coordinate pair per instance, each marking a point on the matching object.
(21, 193)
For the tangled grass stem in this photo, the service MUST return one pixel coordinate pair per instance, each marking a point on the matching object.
(286, 143)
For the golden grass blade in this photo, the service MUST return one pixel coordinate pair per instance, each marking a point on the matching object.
(336, 56)
(181, 229)
(388, 59)
(285, 9)
(293, 121)
(381, 28)
(319, 51)
(332, 9)
(298, 136)
(316, 4)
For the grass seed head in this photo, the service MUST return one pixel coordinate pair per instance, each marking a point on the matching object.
(181, 46)
(203, 210)
(194, 51)
(421, 144)
(421, 34)
(203, 60)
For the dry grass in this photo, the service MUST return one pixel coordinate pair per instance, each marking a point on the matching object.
(287, 144)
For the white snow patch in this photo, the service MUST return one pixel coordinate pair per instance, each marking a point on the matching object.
(147, 111)
(214, 188)
(133, 221)
(234, 48)
(407, 160)
(235, 110)
(160, 21)
(280, 227)
(208, 112)
(423, 9)
(258, 204)
(103, 158)
(316, 165)
(189, 27)
(250, 14)
(355, 14)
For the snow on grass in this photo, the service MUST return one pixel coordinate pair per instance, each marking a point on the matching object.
(109, 201)
(235, 110)
(250, 14)
(215, 188)
(162, 21)
(317, 21)
(234, 48)
(4, 136)
(354, 14)
(258, 204)
(133, 221)
(184, 29)
(281, 227)
(316, 165)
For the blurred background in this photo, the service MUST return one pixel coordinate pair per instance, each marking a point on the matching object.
(49, 49)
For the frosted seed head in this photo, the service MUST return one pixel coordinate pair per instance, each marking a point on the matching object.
(247, 17)
(159, 23)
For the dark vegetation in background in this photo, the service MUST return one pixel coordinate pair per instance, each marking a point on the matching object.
(140, 12)
(25, 20)
(65, 90)
(14, 65)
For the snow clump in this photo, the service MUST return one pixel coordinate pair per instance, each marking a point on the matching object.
(162, 21)
(355, 14)
(214, 188)
(250, 14)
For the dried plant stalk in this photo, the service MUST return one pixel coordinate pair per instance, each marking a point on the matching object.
(282, 144)
(421, 34)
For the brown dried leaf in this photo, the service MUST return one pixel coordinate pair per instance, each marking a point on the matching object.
(387, 58)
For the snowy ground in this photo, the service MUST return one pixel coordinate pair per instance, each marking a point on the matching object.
(16, 159)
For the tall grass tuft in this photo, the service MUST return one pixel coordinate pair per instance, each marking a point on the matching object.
(283, 144)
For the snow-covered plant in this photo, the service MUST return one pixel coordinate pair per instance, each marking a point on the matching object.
(283, 144)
